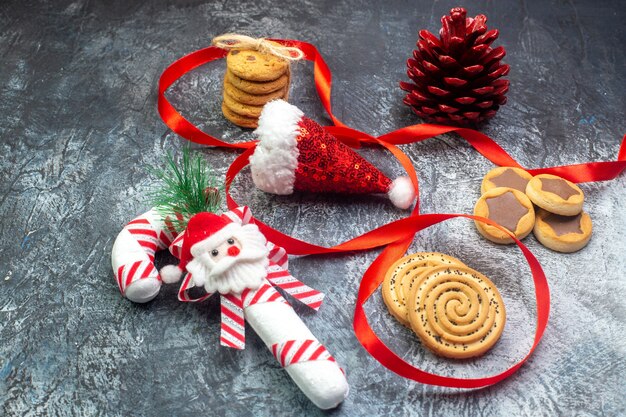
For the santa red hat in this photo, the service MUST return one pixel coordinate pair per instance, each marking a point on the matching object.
(204, 231)
(296, 153)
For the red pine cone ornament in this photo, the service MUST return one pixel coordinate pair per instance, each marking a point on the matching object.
(457, 76)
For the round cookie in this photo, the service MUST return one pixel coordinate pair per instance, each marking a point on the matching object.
(563, 233)
(456, 312)
(555, 194)
(258, 87)
(245, 110)
(509, 208)
(252, 99)
(400, 276)
(239, 120)
(255, 66)
(510, 177)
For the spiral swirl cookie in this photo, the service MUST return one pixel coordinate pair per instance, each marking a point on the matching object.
(509, 208)
(510, 177)
(401, 276)
(563, 233)
(555, 194)
(456, 312)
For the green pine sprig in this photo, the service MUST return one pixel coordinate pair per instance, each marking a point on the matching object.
(188, 187)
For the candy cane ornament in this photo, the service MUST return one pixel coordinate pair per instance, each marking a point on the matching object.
(132, 257)
(228, 254)
(305, 359)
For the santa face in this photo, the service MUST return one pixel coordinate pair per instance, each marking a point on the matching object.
(232, 264)
(231, 247)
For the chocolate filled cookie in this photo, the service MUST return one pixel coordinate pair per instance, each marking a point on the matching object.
(509, 208)
(563, 233)
(510, 177)
(555, 194)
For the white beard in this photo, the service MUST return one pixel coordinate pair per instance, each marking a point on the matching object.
(233, 274)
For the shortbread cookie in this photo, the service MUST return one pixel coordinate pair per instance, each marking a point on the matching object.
(239, 120)
(256, 66)
(258, 87)
(399, 278)
(509, 177)
(240, 108)
(563, 233)
(456, 312)
(555, 194)
(252, 99)
(509, 208)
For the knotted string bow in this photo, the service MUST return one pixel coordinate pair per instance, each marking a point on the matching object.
(236, 41)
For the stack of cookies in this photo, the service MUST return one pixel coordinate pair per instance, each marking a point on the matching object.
(252, 79)
(556, 218)
(455, 311)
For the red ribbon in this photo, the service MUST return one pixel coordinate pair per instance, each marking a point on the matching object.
(398, 235)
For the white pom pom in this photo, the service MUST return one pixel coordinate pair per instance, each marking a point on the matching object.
(401, 193)
(170, 274)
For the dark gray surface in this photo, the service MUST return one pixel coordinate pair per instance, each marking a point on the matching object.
(78, 127)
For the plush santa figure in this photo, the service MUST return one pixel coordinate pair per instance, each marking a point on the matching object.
(232, 258)
(296, 153)
(221, 256)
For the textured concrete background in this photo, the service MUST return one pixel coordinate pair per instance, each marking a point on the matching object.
(79, 127)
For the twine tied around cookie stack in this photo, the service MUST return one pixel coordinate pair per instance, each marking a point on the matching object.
(235, 41)
(257, 71)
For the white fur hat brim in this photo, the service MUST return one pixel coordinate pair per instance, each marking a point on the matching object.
(275, 158)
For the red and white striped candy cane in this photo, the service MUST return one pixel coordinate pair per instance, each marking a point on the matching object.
(296, 349)
(133, 252)
(304, 358)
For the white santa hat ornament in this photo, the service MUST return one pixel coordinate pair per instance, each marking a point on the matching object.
(204, 231)
(296, 153)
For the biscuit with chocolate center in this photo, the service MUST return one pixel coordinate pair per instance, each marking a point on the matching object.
(563, 233)
(509, 208)
(510, 177)
(555, 194)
